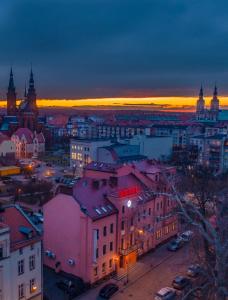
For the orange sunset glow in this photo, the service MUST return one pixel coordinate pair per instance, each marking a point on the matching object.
(169, 102)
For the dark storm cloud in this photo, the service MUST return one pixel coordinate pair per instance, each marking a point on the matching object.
(110, 47)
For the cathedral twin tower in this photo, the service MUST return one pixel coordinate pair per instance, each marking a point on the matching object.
(203, 114)
(26, 112)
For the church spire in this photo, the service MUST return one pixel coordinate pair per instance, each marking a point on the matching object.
(215, 94)
(11, 86)
(25, 91)
(201, 92)
(31, 80)
(11, 96)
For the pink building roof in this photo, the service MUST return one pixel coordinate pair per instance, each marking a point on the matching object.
(25, 132)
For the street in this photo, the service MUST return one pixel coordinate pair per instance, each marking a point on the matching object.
(154, 271)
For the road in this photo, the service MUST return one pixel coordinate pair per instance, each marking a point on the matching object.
(153, 271)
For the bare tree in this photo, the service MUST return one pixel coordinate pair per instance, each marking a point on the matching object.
(209, 198)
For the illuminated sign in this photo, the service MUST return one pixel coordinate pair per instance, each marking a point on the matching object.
(128, 192)
(129, 203)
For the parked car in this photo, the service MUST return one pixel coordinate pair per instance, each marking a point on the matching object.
(181, 282)
(108, 290)
(166, 293)
(67, 286)
(194, 270)
(186, 236)
(175, 245)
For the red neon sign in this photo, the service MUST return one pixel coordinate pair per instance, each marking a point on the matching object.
(128, 192)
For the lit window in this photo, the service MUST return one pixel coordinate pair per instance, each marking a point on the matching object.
(110, 263)
(33, 287)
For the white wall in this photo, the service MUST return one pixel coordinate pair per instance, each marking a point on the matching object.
(11, 279)
(153, 147)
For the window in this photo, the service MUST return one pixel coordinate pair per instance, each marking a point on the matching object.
(104, 249)
(132, 221)
(20, 267)
(158, 206)
(21, 292)
(97, 253)
(104, 231)
(103, 267)
(96, 271)
(111, 228)
(111, 246)
(97, 234)
(32, 247)
(21, 251)
(32, 286)
(149, 211)
(122, 225)
(1, 252)
(144, 213)
(31, 262)
(158, 234)
(122, 243)
(131, 239)
(161, 205)
(110, 263)
(123, 209)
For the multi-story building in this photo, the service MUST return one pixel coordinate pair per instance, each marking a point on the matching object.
(213, 150)
(115, 214)
(20, 256)
(83, 151)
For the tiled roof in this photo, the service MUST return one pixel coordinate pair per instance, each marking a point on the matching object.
(93, 195)
(15, 218)
(24, 132)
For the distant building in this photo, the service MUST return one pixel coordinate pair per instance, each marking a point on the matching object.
(84, 151)
(115, 214)
(20, 256)
(28, 144)
(26, 113)
(213, 151)
(207, 115)
(153, 147)
(7, 148)
(119, 153)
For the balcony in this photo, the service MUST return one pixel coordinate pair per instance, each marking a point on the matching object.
(128, 250)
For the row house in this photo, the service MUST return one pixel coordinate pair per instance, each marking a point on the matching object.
(115, 214)
(27, 143)
(20, 256)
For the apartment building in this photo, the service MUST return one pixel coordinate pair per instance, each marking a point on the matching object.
(20, 256)
(115, 214)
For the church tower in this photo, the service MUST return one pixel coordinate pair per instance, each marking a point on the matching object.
(31, 94)
(215, 101)
(200, 102)
(11, 97)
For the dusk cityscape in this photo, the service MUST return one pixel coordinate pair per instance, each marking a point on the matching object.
(113, 150)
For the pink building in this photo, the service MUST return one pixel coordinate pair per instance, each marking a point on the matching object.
(116, 213)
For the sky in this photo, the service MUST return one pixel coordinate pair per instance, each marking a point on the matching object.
(115, 48)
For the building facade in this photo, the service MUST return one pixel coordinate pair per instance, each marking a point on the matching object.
(20, 256)
(115, 214)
